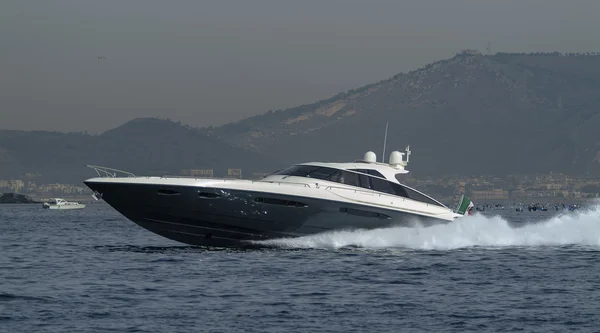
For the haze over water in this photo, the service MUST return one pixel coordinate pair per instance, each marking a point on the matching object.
(94, 271)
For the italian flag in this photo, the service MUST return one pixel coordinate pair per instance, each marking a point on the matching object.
(464, 206)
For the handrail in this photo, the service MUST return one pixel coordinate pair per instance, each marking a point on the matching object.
(108, 172)
(282, 183)
(373, 192)
(198, 177)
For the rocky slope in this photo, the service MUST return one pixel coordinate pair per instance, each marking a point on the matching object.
(471, 114)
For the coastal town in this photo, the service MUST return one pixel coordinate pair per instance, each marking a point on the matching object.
(517, 188)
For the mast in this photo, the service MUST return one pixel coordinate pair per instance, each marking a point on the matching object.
(384, 142)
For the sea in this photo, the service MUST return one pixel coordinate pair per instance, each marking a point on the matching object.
(92, 270)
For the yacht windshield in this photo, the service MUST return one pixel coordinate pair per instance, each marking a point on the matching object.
(309, 171)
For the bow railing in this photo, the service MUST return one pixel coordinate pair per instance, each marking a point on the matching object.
(105, 172)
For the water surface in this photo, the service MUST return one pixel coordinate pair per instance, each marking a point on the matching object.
(94, 271)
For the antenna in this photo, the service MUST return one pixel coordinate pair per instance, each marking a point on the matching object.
(384, 141)
(407, 153)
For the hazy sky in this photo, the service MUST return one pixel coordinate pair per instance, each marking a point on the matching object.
(211, 62)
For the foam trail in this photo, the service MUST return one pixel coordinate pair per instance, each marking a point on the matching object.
(573, 228)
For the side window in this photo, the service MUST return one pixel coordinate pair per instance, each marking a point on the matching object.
(381, 185)
(344, 177)
(321, 173)
(420, 197)
(365, 181)
(375, 173)
(336, 177)
(349, 178)
(358, 170)
(399, 190)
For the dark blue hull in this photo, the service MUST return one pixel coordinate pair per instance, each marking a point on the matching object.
(217, 217)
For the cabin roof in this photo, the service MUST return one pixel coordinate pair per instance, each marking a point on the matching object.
(389, 172)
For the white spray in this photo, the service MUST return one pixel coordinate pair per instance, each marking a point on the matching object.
(572, 228)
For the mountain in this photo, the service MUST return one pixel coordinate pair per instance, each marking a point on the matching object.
(470, 114)
(144, 146)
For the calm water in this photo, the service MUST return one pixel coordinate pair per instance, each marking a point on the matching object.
(94, 271)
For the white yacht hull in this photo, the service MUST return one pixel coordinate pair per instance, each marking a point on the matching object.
(64, 207)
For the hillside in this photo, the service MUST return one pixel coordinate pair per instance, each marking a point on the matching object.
(471, 114)
(144, 146)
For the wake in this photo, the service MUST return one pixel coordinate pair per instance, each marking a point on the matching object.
(572, 228)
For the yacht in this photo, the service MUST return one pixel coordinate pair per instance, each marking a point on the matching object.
(58, 203)
(304, 199)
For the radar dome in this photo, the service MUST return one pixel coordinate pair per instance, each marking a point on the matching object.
(396, 158)
(370, 157)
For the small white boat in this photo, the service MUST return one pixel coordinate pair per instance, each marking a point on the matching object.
(59, 203)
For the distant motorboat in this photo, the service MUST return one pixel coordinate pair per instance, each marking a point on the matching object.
(58, 203)
(537, 207)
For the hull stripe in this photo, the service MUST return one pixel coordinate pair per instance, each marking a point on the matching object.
(199, 227)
